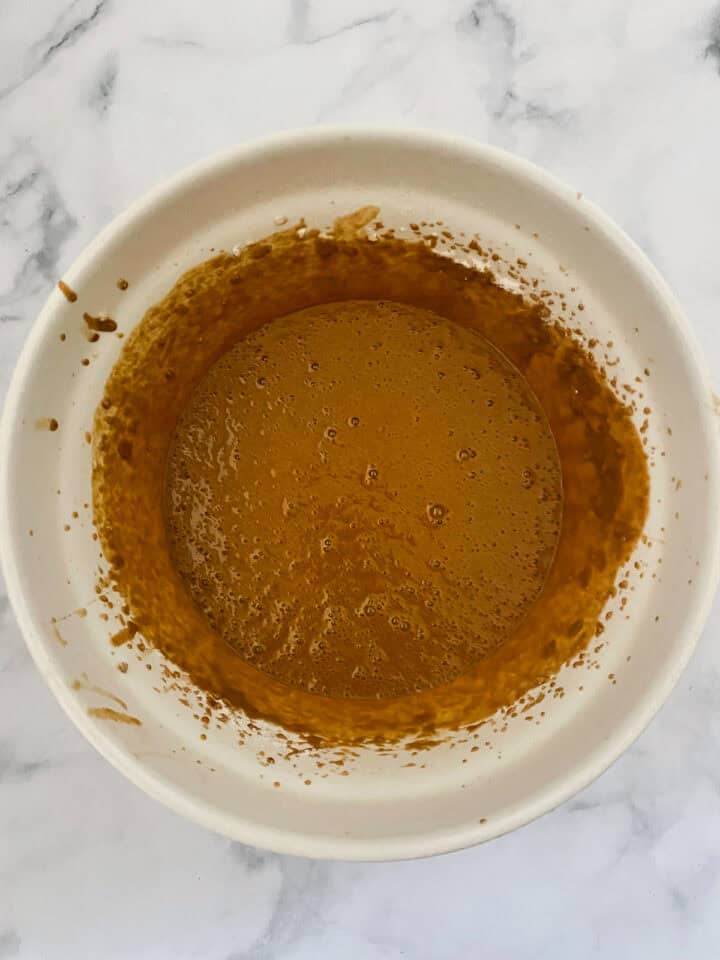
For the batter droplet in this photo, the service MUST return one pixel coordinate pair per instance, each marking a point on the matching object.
(436, 512)
(371, 474)
(527, 477)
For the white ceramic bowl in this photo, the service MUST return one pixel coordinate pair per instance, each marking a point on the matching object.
(383, 809)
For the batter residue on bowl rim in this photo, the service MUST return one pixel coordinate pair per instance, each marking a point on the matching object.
(349, 456)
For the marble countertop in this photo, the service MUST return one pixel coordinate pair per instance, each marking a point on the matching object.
(100, 99)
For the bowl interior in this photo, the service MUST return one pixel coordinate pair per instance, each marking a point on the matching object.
(388, 806)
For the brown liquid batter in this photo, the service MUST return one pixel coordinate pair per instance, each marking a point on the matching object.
(363, 498)
(489, 636)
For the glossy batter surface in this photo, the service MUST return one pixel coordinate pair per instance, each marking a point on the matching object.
(363, 498)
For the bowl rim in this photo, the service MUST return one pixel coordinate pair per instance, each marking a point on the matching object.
(329, 846)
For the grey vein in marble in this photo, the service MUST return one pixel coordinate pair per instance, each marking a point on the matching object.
(29, 195)
(104, 86)
(66, 32)
(712, 50)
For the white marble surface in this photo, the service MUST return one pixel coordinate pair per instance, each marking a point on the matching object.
(99, 99)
